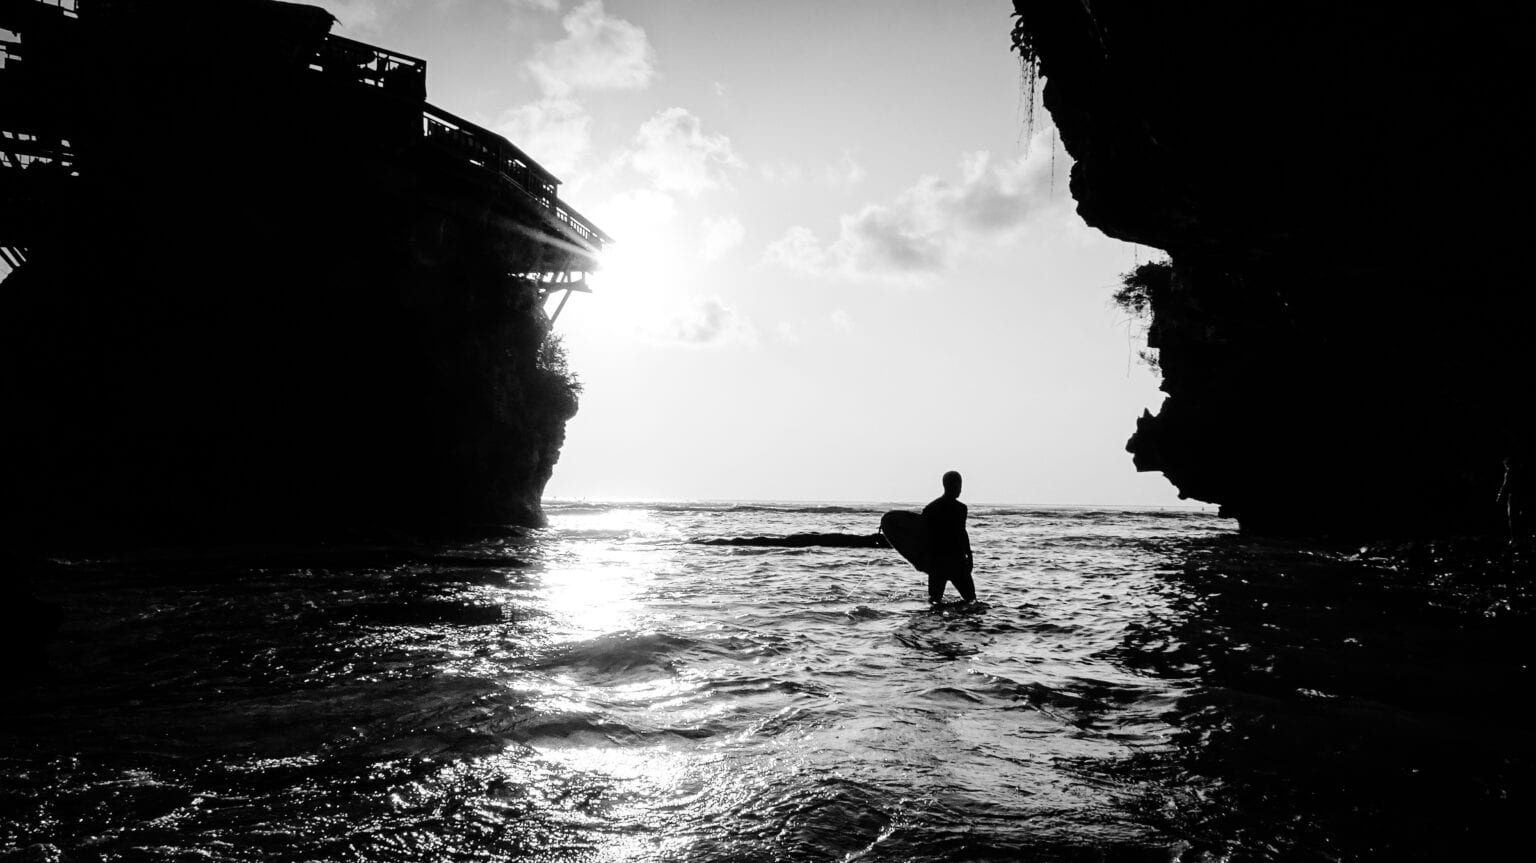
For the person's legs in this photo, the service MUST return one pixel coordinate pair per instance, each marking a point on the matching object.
(936, 581)
(963, 583)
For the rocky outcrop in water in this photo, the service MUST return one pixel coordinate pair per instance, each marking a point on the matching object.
(1344, 194)
(802, 540)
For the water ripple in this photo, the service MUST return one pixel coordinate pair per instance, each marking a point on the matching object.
(1136, 685)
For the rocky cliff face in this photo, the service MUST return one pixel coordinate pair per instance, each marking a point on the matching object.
(1344, 193)
(265, 305)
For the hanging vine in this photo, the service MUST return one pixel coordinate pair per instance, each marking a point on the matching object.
(1029, 70)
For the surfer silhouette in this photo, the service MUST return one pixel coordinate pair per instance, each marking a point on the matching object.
(950, 552)
(1513, 498)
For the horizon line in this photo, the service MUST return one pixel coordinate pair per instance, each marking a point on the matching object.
(824, 502)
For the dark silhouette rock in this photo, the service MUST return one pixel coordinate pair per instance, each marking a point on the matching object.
(1343, 191)
(803, 540)
(27, 624)
(267, 289)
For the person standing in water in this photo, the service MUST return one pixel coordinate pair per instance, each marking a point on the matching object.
(1513, 498)
(950, 557)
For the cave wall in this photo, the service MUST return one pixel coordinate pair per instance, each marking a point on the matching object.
(1343, 193)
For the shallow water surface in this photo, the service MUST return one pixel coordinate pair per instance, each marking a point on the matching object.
(1135, 685)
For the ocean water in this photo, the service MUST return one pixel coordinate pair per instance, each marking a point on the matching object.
(1133, 685)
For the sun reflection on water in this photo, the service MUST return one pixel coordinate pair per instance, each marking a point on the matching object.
(609, 707)
(640, 790)
(603, 564)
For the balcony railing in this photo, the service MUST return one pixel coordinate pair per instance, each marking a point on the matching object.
(386, 71)
(68, 7)
(24, 150)
(407, 76)
(372, 66)
(489, 150)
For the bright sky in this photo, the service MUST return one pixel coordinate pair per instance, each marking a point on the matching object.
(841, 267)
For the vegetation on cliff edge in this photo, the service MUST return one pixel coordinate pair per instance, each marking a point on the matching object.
(1135, 296)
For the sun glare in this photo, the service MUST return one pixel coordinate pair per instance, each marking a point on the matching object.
(601, 568)
(647, 272)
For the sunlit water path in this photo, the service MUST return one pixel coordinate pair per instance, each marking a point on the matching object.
(1136, 686)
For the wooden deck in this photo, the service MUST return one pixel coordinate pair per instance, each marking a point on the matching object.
(36, 156)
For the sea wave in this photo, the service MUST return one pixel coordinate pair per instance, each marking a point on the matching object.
(802, 540)
(1134, 685)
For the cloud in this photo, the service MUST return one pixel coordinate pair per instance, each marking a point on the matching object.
(786, 332)
(721, 234)
(798, 249)
(598, 52)
(926, 225)
(672, 149)
(556, 132)
(901, 239)
(846, 171)
(704, 321)
(779, 173)
(876, 241)
(841, 321)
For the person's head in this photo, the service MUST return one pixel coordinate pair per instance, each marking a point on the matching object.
(952, 484)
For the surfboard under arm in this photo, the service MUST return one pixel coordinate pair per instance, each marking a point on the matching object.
(907, 532)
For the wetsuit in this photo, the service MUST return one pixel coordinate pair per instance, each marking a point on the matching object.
(950, 557)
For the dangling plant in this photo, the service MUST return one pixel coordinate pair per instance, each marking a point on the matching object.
(1029, 69)
(1138, 289)
(1139, 286)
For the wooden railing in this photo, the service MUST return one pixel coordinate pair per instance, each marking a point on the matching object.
(20, 150)
(489, 150)
(68, 7)
(372, 66)
(407, 76)
(403, 76)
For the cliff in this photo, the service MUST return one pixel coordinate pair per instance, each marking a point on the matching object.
(1344, 193)
(267, 289)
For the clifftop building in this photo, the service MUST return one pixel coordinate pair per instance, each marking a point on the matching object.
(258, 285)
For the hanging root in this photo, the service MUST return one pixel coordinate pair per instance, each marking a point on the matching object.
(1029, 70)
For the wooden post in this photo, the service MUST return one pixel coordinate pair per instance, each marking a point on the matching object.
(559, 279)
(560, 308)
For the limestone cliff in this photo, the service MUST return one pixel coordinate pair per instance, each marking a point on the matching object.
(1344, 191)
(269, 290)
